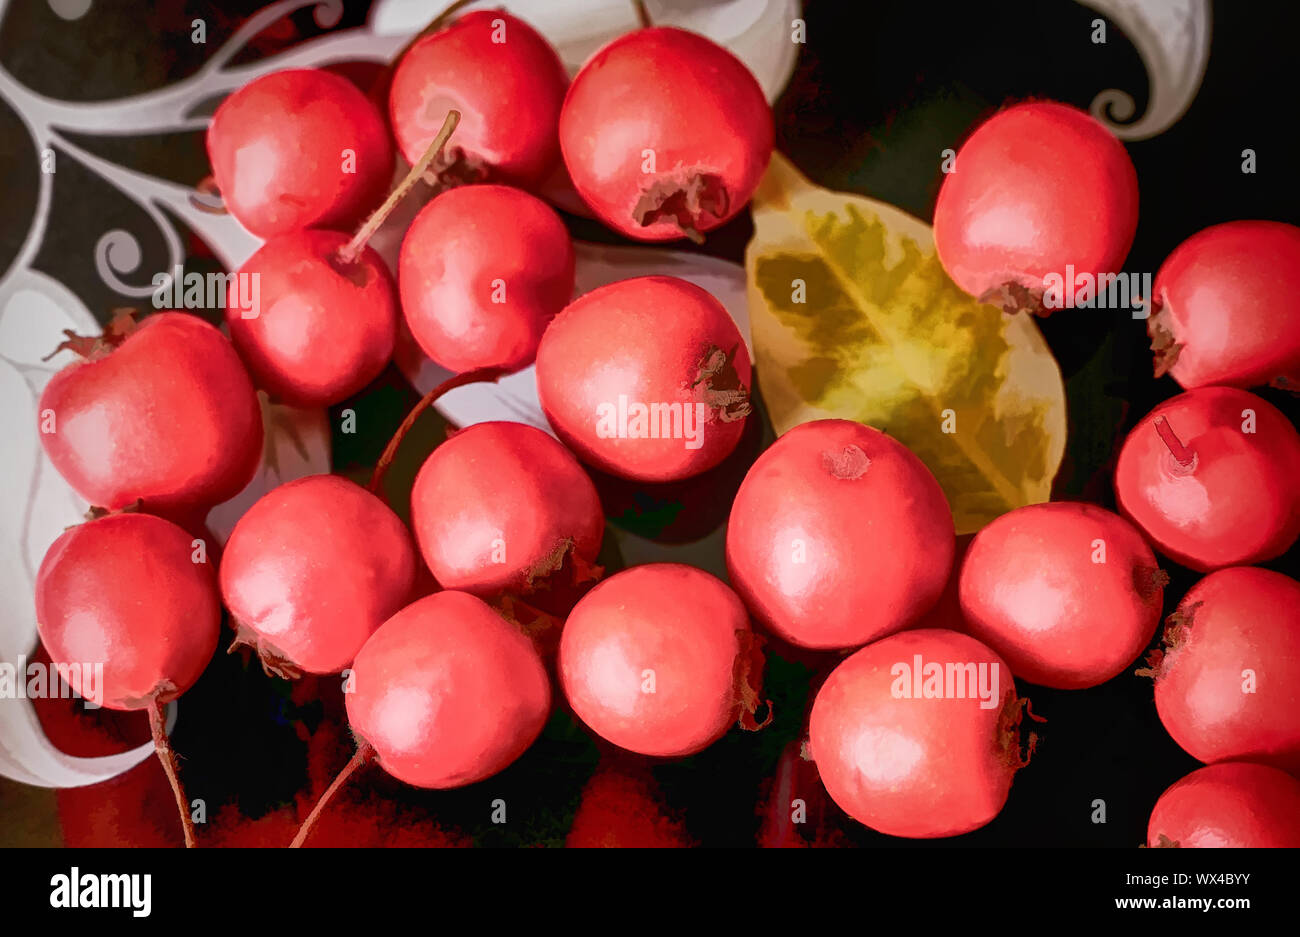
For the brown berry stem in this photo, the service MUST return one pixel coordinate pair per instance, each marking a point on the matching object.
(641, 14)
(161, 745)
(363, 754)
(350, 251)
(451, 383)
(1185, 457)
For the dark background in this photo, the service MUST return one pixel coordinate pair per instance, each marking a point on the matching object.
(879, 91)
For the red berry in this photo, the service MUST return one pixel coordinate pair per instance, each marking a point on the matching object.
(448, 692)
(1232, 805)
(124, 591)
(299, 148)
(483, 271)
(1227, 676)
(312, 569)
(324, 327)
(500, 507)
(166, 415)
(1210, 477)
(1069, 594)
(506, 81)
(1226, 310)
(652, 659)
(645, 378)
(838, 536)
(902, 760)
(1037, 188)
(665, 134)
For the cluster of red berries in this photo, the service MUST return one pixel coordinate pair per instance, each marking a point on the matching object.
(1069, 594)
(159, 422)
(839, 538)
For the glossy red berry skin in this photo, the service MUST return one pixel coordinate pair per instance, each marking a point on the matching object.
(1233, 805)
(1236, 502)
(648, 659)
(497, 506)
(168, 417)
(312, 569)
(1069, 594)
(839, 535)
(324, 328)
(483, 271)
(124, 591)
(1038, 186)
(648, 341)
(909, 766)
(663, 130)
(507, 83)
(1227, 676)
(448, 692)
(1226, 307)
(299, 148)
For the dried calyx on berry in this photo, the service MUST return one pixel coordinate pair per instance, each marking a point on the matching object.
(94, 347)
(719, 387)
(683, 198)
(691, 170)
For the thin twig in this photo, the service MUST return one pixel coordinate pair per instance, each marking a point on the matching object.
(161, 745)
(363, 754)
(350, 251)
(459, 380)
(1182, 455)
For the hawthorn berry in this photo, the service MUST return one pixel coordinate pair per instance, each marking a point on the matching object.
(326, 323)
(1069, 594)
(299, 148)
(311, 570)
(1210, 477)
(1226, 677)
(665, 134)
(1232, 805)
(129, 602)
(503, 507)
(646, 378)
(838, 536)
(1039, 189)
(483, 270)
(508, 84)
(162, 413)
(1225, 310)
(660, 660)
(126, 591)
(447, 692)
(918, 734)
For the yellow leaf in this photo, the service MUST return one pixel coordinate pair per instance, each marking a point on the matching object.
(884, 337)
